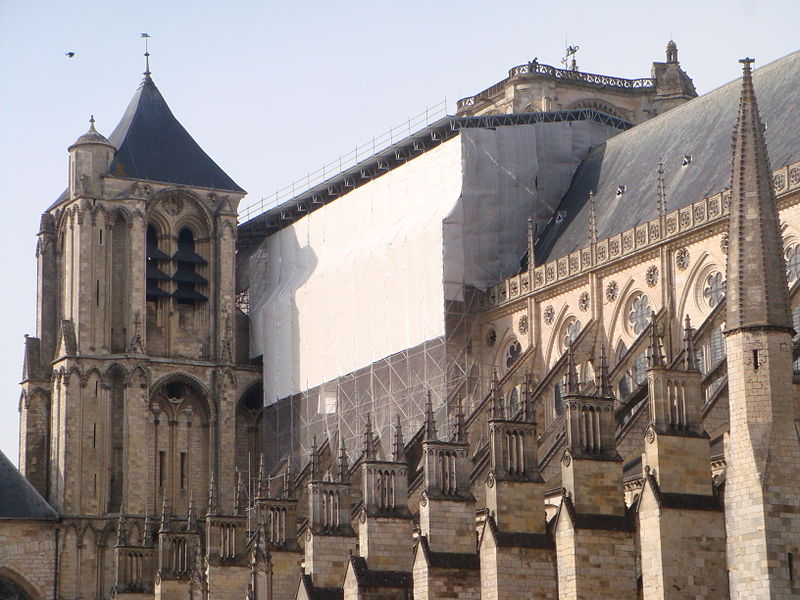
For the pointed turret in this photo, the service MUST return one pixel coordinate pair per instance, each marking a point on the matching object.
(430, 420)
(369, 440)
(654, 350)
(757, 295)
(399, 448)
(690, 356)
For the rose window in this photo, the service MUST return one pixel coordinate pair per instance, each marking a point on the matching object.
(639, 315)
(714, 289)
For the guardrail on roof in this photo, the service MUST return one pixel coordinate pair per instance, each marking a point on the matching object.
(345, 161)
(534, 68)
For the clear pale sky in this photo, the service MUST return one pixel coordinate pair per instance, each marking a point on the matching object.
(271, 90)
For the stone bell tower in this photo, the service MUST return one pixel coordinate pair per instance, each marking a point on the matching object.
(131, 386)
(762, 489)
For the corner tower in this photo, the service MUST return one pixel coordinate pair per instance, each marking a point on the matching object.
(762, 495)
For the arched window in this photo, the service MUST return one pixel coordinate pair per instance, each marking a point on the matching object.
(186, 277)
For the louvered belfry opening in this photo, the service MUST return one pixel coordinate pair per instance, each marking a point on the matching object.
(156, 262)
(189, 282)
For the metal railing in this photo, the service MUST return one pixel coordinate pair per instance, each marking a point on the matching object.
(555, 73)
(345, 161)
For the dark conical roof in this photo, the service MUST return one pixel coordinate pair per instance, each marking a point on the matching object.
(153, 145)
(18, 498)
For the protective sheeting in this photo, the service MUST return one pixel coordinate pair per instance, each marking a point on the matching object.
(357, 280)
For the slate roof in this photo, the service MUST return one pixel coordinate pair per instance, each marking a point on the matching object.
(151, 144)
(18, 498)
(367, 577)
(701, 128)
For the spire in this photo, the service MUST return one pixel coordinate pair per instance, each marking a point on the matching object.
(399, 449)
(592, 219)
(147, 530)
(369, 440)
(240, 496)
(604, 384)
(122, 536)
(654, 350)
(460, 429)
(527, 398)
(344, 467)
(757, 295)
(146, 37)
(430, 420)
(572, 373)
(212, 496)
(191, 521)
(688, 341)
(165, 524)
(531, 245)
(496, 396)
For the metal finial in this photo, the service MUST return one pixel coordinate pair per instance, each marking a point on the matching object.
(146, 37)
(91, 123)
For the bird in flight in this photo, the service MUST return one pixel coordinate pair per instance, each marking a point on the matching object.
(70, 54)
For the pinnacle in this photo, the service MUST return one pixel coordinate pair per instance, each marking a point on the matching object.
(430, 420)
(756, 273)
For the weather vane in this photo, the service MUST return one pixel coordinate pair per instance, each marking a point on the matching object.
(146, 37)
(570, 51)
